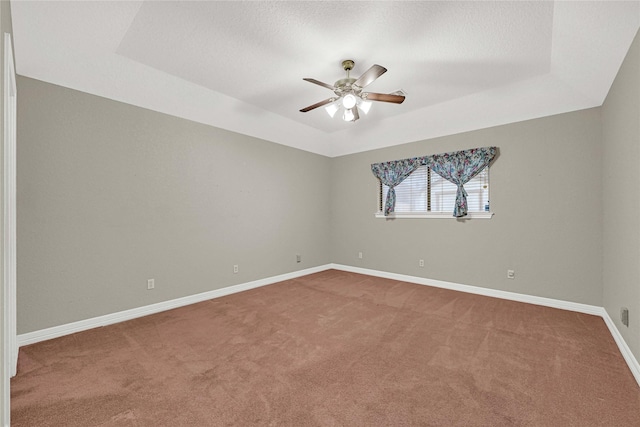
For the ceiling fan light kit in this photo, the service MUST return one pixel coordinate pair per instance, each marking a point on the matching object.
(332, 108)
(349, 94)
(349, 101)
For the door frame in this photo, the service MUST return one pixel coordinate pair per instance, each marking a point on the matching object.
(9, 344)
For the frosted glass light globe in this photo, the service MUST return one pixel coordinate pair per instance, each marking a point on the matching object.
(349, 101)
(331, 109)
(348, 116)
(365, 106)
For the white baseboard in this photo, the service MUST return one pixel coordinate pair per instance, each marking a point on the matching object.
(109, 319)
(632, 362)
(83, 325)
(547, 302)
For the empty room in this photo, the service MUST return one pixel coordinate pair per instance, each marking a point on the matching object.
(323, 213)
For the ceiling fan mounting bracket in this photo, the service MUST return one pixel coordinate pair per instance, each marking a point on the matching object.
(348, 64)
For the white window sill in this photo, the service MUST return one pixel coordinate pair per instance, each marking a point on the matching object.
(447, 215)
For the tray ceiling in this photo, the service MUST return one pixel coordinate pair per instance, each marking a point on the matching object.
(239, 65)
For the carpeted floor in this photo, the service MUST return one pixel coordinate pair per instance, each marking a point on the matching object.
(333, 349)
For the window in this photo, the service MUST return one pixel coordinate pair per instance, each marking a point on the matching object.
(425, 194)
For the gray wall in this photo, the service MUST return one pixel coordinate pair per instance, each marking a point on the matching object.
(546, 195)
(621, 197)
(110, 195)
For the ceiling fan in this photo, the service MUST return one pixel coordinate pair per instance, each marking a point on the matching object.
(350, 95)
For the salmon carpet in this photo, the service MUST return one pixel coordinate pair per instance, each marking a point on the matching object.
(333, 349)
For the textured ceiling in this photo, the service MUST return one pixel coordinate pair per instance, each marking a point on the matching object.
(239, 65)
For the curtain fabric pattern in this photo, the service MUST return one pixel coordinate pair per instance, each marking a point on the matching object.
(457, 167)
(393, 173)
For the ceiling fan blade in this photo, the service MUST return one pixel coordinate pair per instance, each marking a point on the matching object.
(317, 104)
(385, 97)
(370, 75)
(319, 83)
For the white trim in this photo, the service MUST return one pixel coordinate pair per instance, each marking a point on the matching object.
(9, 344)
(109, 319)
(632, 362)
(9, 203)
(440, 215)
(530, 299)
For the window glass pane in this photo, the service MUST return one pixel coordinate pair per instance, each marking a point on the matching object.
(411, 194)
(478, 192)
(443, 193)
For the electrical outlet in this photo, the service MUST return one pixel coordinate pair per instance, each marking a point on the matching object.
(624, 316)
(235, 268)
(298, 258)
(421, 263)
(359, 255)
(511, 274)
(151, 283)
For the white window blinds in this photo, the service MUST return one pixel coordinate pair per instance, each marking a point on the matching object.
(426, 191)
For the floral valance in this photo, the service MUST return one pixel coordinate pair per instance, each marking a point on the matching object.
(458, 167)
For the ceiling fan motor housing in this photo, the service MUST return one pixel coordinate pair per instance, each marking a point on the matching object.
(344, 86)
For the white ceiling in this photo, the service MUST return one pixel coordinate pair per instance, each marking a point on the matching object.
(239, 65)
